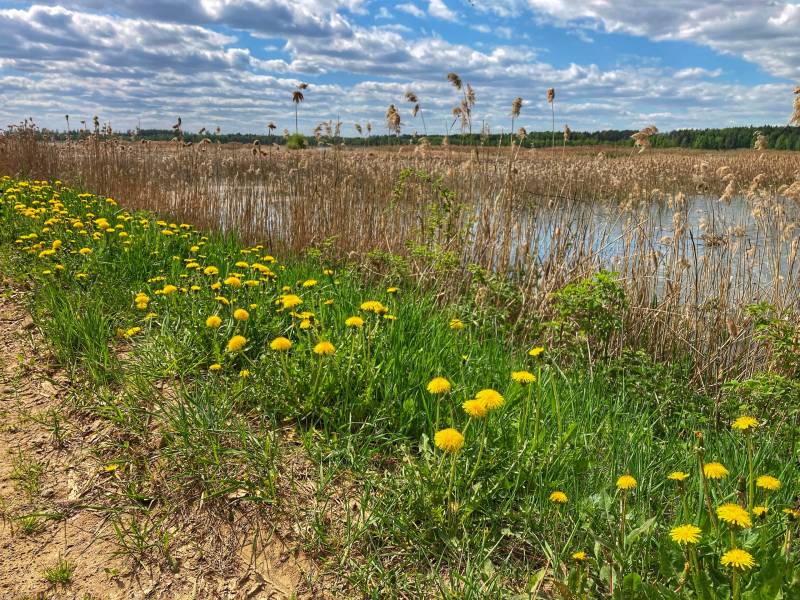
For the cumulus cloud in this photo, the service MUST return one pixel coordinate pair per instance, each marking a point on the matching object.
(150, 60)
(765, 33)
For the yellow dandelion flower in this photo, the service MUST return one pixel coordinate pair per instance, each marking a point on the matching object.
(760, 511)
(439, 385)
(309, 283)
(733, 514)
(392, 290)
(241, 314)
(558, 497)
(492, 398)
(792, 513)
(678, 476)
(280, 344)
(768, 482)
(215, 367)
(745, 423)
(738, 559)
(536, 351)
(244, 373)
(449, 440)
(626, 482)
(475, 408)
(236, 343)
(685, 534)
(290, 301)
(580, 555)
(324, 348)
(523, 377)
(233, 281)
(211, 270)
(354, 322)
(85, 251)
(456, 324)
(715, 470)
(169, 289)
(374, 306)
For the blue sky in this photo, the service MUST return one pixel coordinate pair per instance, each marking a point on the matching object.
(235, 63)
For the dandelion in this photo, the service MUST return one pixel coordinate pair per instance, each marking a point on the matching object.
(738, 559)
(244, 373)
(392, 290)
(374, 306)
(760, 511)
(456, 324)
(354, 322)
(215, 367)
(685, 534)
(579, 556)
(768, 482)
(324, 348)
(677, 476)
(233, 282)
(745, 423)
(733, 514)
(169, 289)
(211, 270)
(439, 385)
(715, 470)
(536, 351)
(558, 497)
(476, 409)
(85, 251)
(449, 440)
(492, 398)
(309, 283)
(280, 344)
(236, 343)
(626, 482)
(241, 314)
(523, 377)
(132, 332)
(290, 301)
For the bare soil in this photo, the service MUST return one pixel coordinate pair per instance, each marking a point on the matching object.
(56, 503)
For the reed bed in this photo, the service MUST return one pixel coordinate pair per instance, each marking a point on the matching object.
(540, 218)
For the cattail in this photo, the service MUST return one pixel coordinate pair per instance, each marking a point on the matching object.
(551, 95)
(516, 107)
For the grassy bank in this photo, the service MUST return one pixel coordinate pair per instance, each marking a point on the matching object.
(466, 465)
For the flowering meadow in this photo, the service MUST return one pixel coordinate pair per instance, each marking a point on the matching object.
(475, 465)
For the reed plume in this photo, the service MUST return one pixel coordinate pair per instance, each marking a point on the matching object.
(551, 100)
(416, 109)
(393, 120)
(455, 80)
(641, 139)
(297, 98)
(516, 108)
(795, 120)
(761, 142)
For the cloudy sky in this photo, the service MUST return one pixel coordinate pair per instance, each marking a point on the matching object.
(235, 63)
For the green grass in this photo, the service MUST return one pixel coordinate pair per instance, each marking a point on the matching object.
(61, 573)
(412, 520)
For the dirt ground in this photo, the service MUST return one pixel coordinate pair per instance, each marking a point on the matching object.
(56, 504)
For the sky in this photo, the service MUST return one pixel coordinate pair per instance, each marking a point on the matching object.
(233, 64)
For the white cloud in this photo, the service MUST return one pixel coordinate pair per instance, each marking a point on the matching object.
(438, 9)
(764, 33)
(411, 9)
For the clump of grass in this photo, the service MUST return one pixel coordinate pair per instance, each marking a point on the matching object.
(28, 472)
(61, 573)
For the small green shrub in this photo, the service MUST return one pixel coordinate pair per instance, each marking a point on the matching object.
(296, 141)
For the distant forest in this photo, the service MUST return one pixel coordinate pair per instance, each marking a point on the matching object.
(729, 138)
